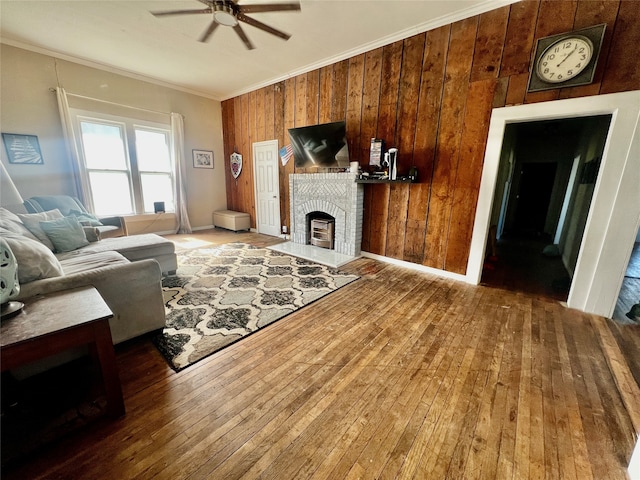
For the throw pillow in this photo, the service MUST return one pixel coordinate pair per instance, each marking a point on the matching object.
(10, 222)
(35, 261)
(92, 233)
(65, 233)
(32, 222)
(85, 219)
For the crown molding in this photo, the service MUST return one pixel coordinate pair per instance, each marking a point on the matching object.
(477, 9)
(483, 7)
(106, 68)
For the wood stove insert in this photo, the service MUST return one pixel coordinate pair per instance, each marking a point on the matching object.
(322, 231)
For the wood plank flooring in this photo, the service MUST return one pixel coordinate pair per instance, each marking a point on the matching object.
(397, 375)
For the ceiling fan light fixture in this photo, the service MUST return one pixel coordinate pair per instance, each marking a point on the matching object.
(224, 15)
(229, 14)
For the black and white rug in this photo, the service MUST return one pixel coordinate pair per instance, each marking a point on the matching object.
(222, 294)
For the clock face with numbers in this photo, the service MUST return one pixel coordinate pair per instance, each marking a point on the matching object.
(565, 59)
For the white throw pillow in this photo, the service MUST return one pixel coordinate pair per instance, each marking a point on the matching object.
(35, 261)
(32, 222)
(10, 222)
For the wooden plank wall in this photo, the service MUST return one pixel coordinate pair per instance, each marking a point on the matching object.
(430, 95)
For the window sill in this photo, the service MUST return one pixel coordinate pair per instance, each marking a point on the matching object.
(146, 217)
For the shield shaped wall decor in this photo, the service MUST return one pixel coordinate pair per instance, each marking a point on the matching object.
(236, 164)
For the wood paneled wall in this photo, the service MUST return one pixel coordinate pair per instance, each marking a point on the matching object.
(430, 95)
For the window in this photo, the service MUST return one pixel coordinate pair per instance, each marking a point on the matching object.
(127, 163)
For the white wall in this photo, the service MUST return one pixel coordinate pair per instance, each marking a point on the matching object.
(590, 149)
(28, 106)
(634, 463)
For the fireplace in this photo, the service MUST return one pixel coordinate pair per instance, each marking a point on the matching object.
(336, 196)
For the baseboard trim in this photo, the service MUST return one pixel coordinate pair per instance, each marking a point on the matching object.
(205, 227)
(419, 268)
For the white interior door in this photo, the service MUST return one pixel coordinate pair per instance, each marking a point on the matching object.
(267, 187)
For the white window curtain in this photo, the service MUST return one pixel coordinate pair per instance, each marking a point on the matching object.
(81, 182)
(177, 151)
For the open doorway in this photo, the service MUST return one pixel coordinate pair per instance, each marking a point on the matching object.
(612, 221)
(546, 178)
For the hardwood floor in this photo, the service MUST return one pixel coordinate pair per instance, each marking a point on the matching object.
(397, 375)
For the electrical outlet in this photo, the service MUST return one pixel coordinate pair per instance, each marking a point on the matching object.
(284, 229)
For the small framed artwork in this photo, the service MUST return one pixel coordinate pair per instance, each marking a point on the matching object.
(202, 159)
(22, 148)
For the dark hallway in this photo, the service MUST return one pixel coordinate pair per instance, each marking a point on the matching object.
(521, 266)
(534, 196)
(546, 179)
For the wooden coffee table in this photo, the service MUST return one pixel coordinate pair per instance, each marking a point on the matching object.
(51, 323)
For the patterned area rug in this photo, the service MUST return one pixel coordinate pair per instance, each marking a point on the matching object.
(222, 294)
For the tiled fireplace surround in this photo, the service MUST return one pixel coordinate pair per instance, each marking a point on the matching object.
(336, 194)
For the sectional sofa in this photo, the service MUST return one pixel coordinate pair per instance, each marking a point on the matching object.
(127, 271)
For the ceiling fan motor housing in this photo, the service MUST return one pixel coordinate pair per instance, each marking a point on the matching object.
(224, 14)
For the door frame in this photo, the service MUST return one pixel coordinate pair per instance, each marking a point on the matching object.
(614, 215)
(265, 143)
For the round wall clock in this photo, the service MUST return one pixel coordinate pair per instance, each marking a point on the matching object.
(566, 59)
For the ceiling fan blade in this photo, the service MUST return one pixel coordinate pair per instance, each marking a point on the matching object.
(269, 7)
(243, 36)
(180, 12)
(255, 23)
(209, 31)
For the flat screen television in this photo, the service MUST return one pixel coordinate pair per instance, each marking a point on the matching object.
(323, 145)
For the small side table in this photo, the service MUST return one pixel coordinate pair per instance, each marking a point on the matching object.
(49, 324)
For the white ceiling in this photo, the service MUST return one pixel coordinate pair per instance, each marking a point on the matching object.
(122, 36)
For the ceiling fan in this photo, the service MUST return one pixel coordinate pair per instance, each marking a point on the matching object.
(229, 13)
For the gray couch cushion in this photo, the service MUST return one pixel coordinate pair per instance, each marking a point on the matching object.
(134, 247)
(64, 203)
(91, 261)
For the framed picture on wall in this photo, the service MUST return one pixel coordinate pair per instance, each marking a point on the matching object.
(202, 159)
(22, 148)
